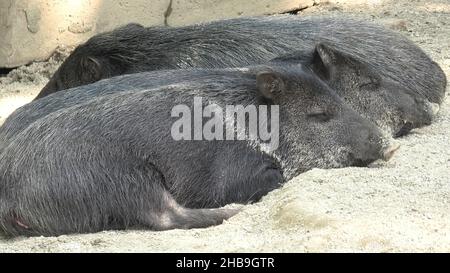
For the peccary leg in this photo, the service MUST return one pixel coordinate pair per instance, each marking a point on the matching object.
(249, 177)
(236, 176)
(169, 214)
(132, 196)
(174, 216)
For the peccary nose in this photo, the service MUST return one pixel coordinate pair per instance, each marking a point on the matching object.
(390, 151)
(434, 108)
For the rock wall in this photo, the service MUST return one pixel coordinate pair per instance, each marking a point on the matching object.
(31, 30)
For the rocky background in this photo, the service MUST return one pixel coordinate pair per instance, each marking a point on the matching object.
(32, 29)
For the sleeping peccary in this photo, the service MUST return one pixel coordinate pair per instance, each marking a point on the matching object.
(114, 162)
(244, 41)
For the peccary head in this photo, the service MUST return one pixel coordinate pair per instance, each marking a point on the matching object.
(100, 57)
(317, 129)
(391, 106)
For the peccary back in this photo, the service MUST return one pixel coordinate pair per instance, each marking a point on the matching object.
(244, 41)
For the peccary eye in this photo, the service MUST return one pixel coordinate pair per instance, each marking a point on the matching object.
(319, 115)
(368, 85)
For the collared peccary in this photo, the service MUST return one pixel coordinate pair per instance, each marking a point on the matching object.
(112, 162)
(244, 41)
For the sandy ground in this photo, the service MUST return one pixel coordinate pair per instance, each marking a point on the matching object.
(399, 206)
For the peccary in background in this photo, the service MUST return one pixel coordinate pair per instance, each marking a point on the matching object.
(244, 41)
(111, 162)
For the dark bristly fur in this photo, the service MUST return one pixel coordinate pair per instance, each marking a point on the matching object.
(110, 162)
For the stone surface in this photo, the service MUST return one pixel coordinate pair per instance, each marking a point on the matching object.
(32, 29)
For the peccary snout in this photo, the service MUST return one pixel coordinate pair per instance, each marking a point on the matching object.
(367, 142)
(377, 147)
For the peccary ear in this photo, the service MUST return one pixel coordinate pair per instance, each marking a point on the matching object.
(269, 84)
(330, 64)
(325, 60)
(90, 69)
